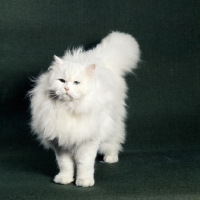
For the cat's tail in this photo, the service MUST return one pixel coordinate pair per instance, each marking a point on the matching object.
(118, 52)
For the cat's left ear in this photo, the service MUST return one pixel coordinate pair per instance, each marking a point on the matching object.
(58, 60)
(90, 69)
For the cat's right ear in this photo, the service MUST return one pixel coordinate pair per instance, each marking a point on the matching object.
(58, 60)
(90, 69)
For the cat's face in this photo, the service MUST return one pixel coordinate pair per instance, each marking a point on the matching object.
(69, 81)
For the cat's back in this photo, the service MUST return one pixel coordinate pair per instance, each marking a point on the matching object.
(109, 84)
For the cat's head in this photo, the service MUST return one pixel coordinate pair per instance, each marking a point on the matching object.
(69, 81)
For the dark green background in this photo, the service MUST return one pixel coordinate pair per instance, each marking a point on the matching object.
(161, 158)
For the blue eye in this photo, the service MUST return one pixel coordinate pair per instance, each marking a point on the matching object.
(76, 82)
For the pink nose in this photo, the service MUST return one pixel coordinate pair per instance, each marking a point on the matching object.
(66, 88)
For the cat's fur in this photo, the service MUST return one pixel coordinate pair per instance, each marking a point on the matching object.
(78, 106)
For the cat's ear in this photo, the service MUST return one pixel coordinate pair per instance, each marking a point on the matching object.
(90, 69)
(58, 60)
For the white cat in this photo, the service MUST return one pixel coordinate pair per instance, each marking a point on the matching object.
(78, 106)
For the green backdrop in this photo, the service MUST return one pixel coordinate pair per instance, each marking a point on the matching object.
(161, 155)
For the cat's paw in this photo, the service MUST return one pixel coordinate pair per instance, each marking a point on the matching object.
(110, 159)
(62, 179)
(85, 182)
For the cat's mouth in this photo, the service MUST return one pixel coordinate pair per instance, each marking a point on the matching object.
(68, 95)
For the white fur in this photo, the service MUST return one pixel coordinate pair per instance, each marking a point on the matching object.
(89, 116)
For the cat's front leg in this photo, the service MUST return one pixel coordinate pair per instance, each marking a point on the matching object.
(65, 164)
(85, 158)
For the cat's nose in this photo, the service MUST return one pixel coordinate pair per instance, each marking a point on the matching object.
(66, 88)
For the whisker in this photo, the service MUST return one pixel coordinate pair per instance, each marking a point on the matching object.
(52, 94)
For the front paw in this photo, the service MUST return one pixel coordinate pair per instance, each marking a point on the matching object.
(61, 179)
(85, 182)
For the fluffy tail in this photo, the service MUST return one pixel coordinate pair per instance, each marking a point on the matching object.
(118, 52)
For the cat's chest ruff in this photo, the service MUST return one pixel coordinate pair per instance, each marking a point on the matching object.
(71, 128)
(68, 114)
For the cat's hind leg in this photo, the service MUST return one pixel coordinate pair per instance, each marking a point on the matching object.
(110, 151)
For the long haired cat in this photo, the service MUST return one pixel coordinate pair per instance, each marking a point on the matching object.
(78, 106)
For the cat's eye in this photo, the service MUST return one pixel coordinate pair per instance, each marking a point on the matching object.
(76, 82)
(61, 80)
